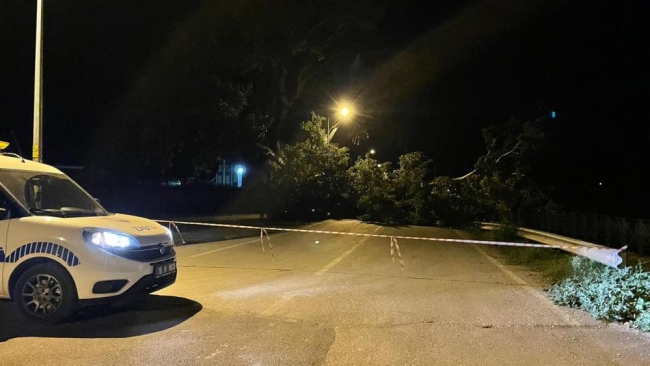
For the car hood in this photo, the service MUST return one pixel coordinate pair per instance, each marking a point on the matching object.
(148, 232)
(132, 225)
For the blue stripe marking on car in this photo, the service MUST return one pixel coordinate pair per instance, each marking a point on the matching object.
(65, 254)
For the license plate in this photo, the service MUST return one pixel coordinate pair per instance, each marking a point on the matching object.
(164, 269)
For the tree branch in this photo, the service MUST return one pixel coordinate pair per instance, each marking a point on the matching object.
(509, 152)
(466, 175)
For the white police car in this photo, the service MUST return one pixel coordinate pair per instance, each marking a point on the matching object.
(60, 249)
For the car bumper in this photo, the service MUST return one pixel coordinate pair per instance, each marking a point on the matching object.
(146, 285)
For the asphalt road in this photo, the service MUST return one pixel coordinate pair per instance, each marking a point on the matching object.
(333, 300)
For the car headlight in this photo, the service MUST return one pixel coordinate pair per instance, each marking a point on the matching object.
(109, 239)
(169, 233)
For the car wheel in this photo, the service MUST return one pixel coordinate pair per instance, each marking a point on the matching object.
(45, 293)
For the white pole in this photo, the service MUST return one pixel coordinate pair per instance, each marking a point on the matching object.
(37, 151)
(328, 130)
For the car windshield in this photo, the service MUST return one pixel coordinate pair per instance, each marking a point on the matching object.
(50, 194)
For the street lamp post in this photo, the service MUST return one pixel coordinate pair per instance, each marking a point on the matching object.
(331, 131)
(37, 151)
(328, 130)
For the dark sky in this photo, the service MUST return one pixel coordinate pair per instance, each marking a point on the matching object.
(428, 78)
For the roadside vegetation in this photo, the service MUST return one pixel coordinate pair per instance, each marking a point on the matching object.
(315, 178)
(610, 294)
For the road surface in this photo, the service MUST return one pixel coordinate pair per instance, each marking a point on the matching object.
(333, 300)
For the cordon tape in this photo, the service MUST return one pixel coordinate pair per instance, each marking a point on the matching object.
(394, 246)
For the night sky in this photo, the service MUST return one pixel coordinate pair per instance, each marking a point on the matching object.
(427, 76)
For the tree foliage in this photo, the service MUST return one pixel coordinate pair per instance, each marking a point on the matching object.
(453, 202)
(500, 187)
(311, 179)
(287, 43)
(197, 131)
(308, 178)
(394, 196)
(412, 195)
(374, 190)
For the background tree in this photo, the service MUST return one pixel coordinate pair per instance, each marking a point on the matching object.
(290, 45)
(225, 81)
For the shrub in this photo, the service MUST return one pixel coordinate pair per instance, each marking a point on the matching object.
(642, 322)
(607, 293)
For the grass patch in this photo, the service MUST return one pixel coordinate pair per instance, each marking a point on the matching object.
(553, 264)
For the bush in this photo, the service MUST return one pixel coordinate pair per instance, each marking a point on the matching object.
(642, 322)
(607, 293)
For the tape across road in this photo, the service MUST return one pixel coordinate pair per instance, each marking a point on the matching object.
(393, 239)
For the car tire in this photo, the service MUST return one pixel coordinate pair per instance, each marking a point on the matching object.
(45, 294)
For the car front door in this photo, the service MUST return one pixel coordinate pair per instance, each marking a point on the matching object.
(4, 228)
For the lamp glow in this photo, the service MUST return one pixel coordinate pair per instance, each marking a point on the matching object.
(240, 173)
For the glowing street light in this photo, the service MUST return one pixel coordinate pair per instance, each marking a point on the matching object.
(240, 172)
(372, 151)
(344, 113)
